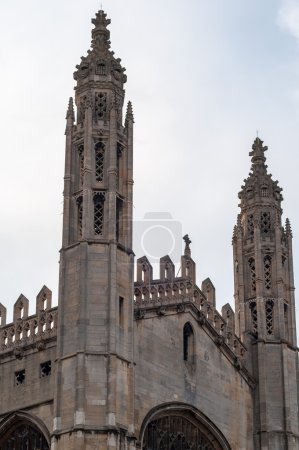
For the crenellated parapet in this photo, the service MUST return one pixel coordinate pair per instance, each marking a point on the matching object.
(170, 294)
(26, 331)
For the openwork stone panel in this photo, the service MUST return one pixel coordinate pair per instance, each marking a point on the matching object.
(251, 263)
(265, 223)
(269, 317)
(101, 105)
(99, 161)
(267, 271)
(99, 199)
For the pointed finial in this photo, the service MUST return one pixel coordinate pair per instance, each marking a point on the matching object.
(288, 228)
(187, 240)
(70, 110)
(100, 33)
(258, 150)
(129, 113)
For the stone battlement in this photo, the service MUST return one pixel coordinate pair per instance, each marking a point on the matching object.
(27, 331)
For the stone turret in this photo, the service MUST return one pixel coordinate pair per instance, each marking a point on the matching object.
(93, 396)
(265, 304)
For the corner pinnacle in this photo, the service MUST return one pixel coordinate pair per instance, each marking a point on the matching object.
(129, 113)
(187, 240)
(70, 110)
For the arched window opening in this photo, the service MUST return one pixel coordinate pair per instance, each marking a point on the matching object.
(24, 436)
(99, 161)
(188, 341)
(175, 432)
(269, 316)
(251, 263)
(253, 311)
(267, 271)
(119, 151)
(99, 200)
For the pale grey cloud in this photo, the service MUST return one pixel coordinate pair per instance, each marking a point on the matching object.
(288, 17)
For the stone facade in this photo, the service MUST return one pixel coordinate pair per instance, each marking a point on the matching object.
(152, 363)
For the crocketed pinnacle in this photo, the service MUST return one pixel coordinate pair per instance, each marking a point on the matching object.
(129, 113)
(288, 228)
(187, 240)
(258, 158)
(100, 33)
(70, 110)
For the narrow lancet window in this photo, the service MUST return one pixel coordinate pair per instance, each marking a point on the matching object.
(188, 341)
(99, 161)
(99, 199)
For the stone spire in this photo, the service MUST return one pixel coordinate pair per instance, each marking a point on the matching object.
(100, 64)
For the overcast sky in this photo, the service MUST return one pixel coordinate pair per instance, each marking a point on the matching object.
(203, 77)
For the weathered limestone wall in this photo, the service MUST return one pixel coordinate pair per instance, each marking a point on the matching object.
(212, 383)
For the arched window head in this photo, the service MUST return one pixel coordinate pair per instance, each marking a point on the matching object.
(188, 343)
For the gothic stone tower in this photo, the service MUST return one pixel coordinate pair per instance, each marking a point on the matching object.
(265, 305)
(93, 405)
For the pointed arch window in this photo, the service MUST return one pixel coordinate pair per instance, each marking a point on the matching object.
(188, 341)
(99, 200)
(99, 161)
(24, 436)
